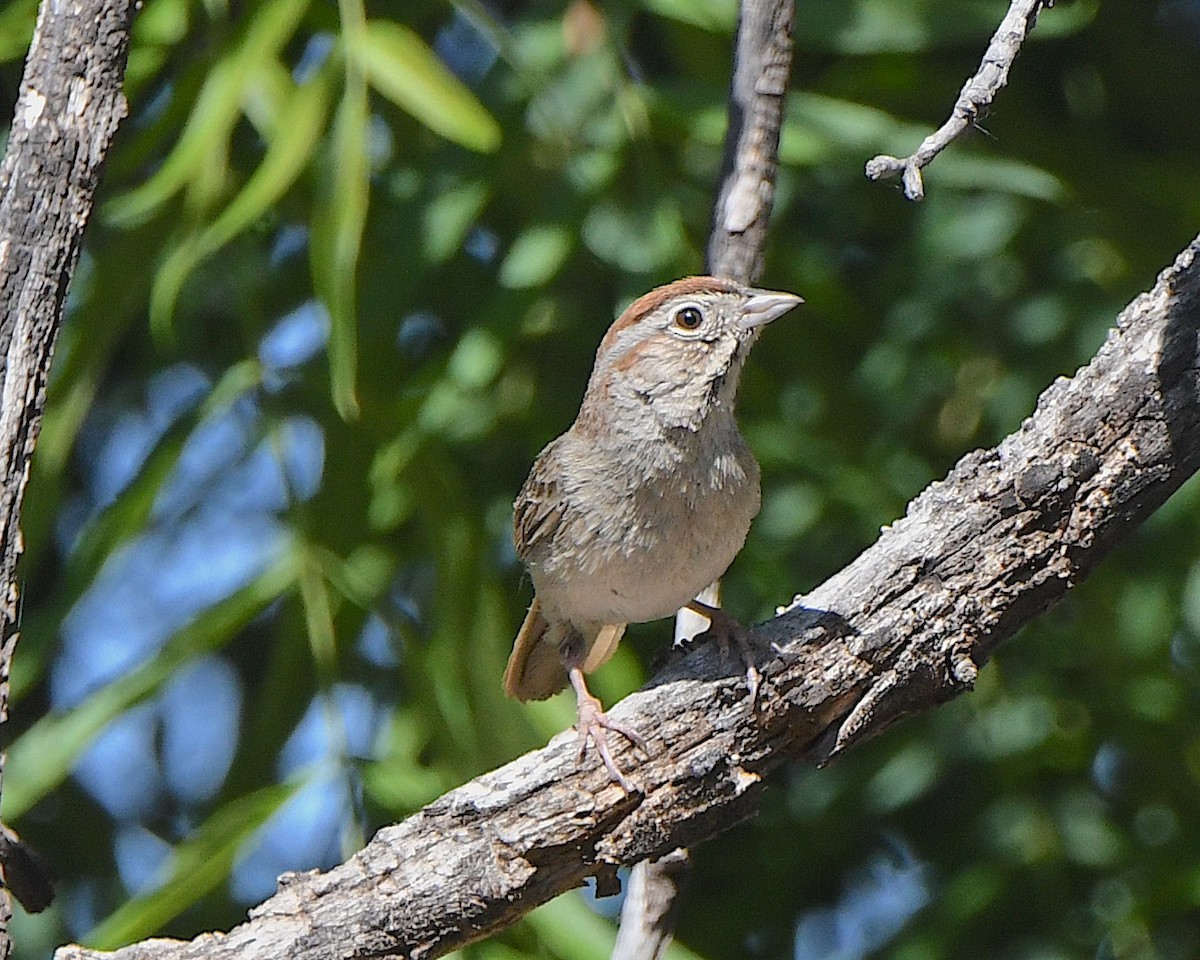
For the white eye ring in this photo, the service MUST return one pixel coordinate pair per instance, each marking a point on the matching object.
(688, 319)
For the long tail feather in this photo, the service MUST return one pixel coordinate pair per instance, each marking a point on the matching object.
(535, 669)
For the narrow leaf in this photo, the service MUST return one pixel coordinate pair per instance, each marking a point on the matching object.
(401, 66)
(288, 152)
(318, 616)
(199, 865)
(337, 239)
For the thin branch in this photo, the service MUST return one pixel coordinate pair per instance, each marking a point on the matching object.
(762, 63)
(67, 112)
(648, 913)
(974, 100)
(905, 627)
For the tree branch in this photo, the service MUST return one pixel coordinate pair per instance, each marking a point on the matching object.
(67, 113)
(974, 100)
(1002, 538)
(761, 66)
(648, 913)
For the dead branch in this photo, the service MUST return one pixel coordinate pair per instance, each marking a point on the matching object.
(974, 100)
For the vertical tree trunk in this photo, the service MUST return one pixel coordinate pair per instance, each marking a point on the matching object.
(68, 110)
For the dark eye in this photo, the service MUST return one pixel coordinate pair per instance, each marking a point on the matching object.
(689, 318)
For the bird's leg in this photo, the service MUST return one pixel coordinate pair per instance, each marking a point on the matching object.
(593, 721)
(725, 628)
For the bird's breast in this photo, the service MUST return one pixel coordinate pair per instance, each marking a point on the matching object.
(649, 530)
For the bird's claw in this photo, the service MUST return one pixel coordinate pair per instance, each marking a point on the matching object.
(593, 724)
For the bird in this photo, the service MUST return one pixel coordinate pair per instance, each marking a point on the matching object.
(646, 499)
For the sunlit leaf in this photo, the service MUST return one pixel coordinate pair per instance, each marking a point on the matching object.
(719, 16)
(288, 152)
(318, 615)
(198, 156)
(163, 22)
(449, 217)
(16, 27)
(535, 256)
(337, 238)
(208, 128)
(400, 66)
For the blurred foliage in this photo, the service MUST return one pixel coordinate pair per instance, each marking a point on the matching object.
(346, 277)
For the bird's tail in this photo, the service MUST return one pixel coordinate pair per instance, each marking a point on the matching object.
(535, 668)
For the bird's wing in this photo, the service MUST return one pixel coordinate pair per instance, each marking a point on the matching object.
(539, 508)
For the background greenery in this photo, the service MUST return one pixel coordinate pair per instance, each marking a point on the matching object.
(346, 278)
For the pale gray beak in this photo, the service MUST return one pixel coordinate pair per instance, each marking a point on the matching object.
(765, 306)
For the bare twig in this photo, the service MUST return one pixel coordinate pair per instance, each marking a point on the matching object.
(974, 100)
(903, 628)
(67, 112)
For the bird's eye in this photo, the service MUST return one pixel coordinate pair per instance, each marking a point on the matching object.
(688, 318)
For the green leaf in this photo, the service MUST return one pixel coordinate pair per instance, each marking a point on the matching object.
(205, 137)
(634, 238)
(336, 239)
(16, 28)
(883, 26)
(535, 256)
(41, 758)
(569, 928)
(449, 216)
(400, 65)
(717, 16)
(161, 23)
(318, 616)
(200, 154)
(296, 135)
(198, 865)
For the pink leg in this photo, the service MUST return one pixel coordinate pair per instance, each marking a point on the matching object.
(726, 629)
(593, 722)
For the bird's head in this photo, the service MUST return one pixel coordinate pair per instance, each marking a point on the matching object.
(677, 352)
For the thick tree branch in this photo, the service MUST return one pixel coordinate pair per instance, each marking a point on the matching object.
(68, 110)
(903, 628)
(974, 100)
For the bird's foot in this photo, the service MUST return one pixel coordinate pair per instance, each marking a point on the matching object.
(593, 726)
(728, 631)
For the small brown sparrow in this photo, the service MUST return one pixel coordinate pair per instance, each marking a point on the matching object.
(647, 498)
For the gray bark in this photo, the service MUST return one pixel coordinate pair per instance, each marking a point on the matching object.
(1002, 538)
(974, 100)
(762, 62)
(68, 109)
